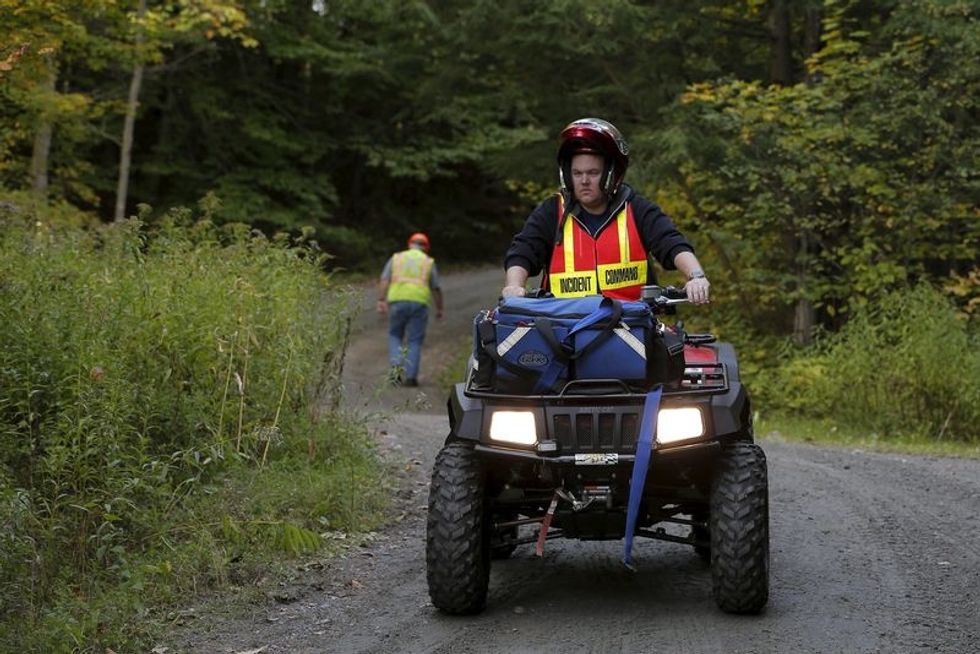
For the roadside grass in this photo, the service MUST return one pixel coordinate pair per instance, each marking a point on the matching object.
(233, 545)
(170, 424)
(903, 366)
(825, 432)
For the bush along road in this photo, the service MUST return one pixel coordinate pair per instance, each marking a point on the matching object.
(869, 553)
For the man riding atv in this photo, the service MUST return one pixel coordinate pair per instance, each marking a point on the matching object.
(594, 235)
(583, 416)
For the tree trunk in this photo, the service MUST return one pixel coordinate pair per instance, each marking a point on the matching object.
(780, 53)
(42, 137)
(803, 321)
(129, 125)
(781, 73)
(804, 318)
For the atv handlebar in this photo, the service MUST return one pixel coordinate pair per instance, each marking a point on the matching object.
(661, 297)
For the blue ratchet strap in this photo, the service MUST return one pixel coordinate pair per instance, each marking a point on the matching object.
(550, 375)
(644, 446)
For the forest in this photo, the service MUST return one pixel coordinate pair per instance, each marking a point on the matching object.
(819, 153)
(822, 156)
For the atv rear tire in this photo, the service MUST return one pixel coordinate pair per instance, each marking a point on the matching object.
(457, 551)
(740, 530)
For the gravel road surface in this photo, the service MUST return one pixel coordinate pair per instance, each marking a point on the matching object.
(870, 553)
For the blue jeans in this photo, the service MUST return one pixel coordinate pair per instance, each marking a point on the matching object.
(406, 322)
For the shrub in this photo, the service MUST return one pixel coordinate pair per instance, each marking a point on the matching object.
(139, 369)
(905, 365)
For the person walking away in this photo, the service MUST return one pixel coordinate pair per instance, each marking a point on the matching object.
(596, 234)
(409, 284)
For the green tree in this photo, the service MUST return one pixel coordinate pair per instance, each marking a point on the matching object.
(44, 113)
(203, 19)
(61, 92)
(871, 167)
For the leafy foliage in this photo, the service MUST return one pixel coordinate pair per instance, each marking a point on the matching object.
(904, 366)
(852, 184)
(364, 121)
(152, 381)
(64, 67)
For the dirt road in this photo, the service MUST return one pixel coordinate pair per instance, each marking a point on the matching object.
(870, 553)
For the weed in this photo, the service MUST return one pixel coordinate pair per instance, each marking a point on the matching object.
(169, 420)
(905, 366)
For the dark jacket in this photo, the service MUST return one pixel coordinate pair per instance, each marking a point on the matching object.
(532, 246)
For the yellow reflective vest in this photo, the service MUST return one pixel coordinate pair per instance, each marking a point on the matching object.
(410, 271)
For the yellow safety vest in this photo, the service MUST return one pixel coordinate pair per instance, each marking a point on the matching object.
(410, 270)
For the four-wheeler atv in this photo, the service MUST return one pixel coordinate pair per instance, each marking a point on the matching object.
(563, 462)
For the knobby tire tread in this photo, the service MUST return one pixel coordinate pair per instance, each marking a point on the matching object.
(457, 533)
(740, 531)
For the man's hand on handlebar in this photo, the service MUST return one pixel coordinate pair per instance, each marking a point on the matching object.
(514, 282)
(698, 290)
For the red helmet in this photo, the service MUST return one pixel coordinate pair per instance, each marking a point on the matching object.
(594, 136)
(421, 239)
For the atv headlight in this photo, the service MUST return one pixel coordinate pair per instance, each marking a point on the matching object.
(679, 424)
(513, 427)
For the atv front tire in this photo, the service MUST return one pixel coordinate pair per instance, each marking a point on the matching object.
(740, 530)
(457, 551)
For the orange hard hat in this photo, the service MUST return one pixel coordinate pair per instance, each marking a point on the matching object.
(420, 238)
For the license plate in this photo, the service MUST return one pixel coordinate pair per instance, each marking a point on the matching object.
(597, 459)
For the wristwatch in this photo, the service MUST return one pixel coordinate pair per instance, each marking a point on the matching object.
(696, 274)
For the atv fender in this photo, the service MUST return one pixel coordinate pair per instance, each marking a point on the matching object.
(465, 414)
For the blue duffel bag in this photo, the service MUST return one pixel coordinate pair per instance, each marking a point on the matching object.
(535, 346)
